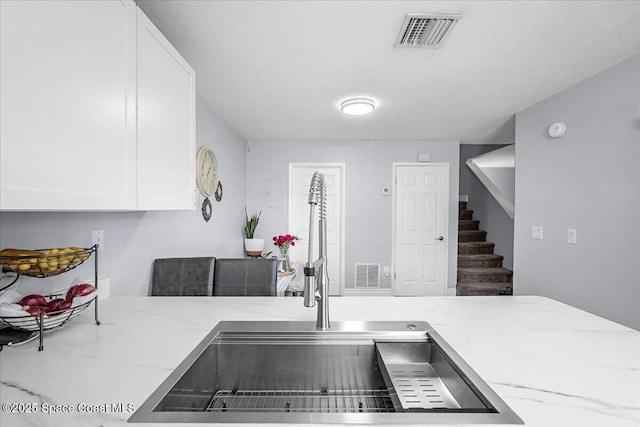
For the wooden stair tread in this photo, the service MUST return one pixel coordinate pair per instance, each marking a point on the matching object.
(479, 260)
(485, 285)
(484, 274)
(486, 270)
(472, 235)
(483, 257)
(484, 289)
(480, 257)
(475, 247)
(468, 224)
(465, 215)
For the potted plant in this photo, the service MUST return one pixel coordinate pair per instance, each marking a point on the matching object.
(253, 246)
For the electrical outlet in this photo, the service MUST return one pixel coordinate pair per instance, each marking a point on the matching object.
(98, 239)
(536, 232)
(572, 236)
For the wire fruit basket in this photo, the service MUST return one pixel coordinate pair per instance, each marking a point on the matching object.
(44, 262)
(52, 319)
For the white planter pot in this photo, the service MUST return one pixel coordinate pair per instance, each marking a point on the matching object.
(253, 247)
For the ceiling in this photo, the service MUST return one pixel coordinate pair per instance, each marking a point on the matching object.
(277, 70)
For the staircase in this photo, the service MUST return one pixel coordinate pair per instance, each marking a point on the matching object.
(480, 271)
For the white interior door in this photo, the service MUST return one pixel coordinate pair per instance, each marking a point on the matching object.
(299, 179)
(421, 211)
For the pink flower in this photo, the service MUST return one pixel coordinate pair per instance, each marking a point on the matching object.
(285, 241)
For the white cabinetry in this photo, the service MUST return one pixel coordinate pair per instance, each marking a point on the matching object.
(166, 123)
(67, 97)
(92, 116)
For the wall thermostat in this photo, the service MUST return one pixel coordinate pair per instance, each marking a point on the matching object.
(556, 130)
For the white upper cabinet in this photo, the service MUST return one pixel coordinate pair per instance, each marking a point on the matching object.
(67, 98)
(166, 123)
(80, 126)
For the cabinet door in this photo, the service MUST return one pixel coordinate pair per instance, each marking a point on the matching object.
(166, 123)
(67, 91)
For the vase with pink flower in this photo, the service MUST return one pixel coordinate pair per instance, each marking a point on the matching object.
(284, 243)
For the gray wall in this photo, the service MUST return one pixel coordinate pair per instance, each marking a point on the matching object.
(368, 228)
(493, 219)
(587, 180)
(134, 239)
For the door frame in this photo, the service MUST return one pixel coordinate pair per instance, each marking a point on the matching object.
(343, 170)
(395, 166)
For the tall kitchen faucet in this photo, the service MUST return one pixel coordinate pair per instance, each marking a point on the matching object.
(316, 279)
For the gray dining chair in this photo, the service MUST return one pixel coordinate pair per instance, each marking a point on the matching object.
(245, 277)
(182, 276)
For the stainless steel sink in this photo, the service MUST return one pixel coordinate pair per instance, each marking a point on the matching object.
(355, 372)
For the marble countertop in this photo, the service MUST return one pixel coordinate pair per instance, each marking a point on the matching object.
(551, 363)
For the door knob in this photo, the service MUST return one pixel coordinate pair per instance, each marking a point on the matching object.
(440, 238)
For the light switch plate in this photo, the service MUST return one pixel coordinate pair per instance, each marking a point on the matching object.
(572, 236)
(270, 193)
(386, 272)
(536, 232)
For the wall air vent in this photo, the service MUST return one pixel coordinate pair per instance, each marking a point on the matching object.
(367, 276)
(426, 30)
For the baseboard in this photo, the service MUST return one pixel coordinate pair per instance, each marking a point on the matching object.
(367, 292)
(450, 292)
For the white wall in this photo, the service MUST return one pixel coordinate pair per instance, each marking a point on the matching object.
(368, 231)
(505, 181)
(587, 180)
(134, 239)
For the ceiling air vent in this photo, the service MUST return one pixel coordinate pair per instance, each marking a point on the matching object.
(426, 30)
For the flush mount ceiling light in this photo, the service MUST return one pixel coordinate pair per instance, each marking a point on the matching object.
(357, 106)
